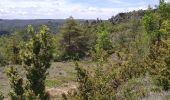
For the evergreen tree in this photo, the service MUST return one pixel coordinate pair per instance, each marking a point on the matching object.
(36, 55)
(74, 43)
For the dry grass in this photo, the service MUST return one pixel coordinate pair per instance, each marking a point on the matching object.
(62, 75)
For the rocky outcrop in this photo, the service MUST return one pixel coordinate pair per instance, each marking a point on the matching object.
(125, 17)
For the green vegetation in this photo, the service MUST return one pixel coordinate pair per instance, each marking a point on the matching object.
(1, 96)
(36, 55)
(73, 43)
(16, 83)
(124, 58)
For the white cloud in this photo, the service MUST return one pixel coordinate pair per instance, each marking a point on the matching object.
(54, 9)
(117, 1)
(167, 0)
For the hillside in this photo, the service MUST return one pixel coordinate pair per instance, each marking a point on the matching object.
(126, 57)
(8, 26)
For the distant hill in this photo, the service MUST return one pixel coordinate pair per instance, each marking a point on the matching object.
(8, 26)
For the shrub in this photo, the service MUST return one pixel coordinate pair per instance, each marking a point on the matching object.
(16, 82)
(1, 96)
(36, 55)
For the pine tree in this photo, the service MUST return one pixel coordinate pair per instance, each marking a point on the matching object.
(74, 43)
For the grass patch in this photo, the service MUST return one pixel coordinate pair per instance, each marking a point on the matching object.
(59, 81)
(53, 83)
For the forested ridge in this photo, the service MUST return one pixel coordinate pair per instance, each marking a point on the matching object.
(126, 57)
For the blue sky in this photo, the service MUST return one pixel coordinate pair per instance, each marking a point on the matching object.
(61, 9)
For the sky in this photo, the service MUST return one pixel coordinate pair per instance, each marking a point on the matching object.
(61, 9)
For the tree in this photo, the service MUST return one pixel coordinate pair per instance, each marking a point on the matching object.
(150, 24)
(154, 21)
(163, 10)
(103, 36)
(163, 14)
(74, 43)
(103, 41)
(36, 55)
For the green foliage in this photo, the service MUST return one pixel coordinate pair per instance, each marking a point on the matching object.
(1, 96)
(85, 84)
(36, 55)
(10, 47)
(90, 32)
(163, 78)
(103, 83)
(163, 10)
(131, 48)
(134, 89)
(14, 47)
(103, 41)
(16, 82)
(97, 85)
(134, 48)
(73, 44)
(131, 69)
(156, 22)
(57, 53)
(103, 37)
(130, 61)
(150, 23)
(106, 81)
(4, 50)
(157, 60)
